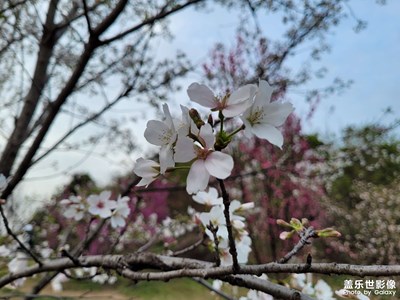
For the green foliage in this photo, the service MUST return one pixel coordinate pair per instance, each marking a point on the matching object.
(369, 154)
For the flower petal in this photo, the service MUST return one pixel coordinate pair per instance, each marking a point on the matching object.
(146, 168)
(275, 113)
(201, 94)
(184, 150)
(236, 109)
(198, 177)
(206, 133)
(243, 94)
(219, 164)
(168, 118)
(264, 93)
(166, 158)
(155, 132)
(269, 133)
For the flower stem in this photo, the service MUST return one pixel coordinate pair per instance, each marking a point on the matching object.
(236, 131)
(221, 118)
(232, 246)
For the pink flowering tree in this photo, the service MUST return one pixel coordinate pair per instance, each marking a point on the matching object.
(246, 128)
(203, 149)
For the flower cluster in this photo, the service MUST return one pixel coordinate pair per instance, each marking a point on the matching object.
(213, 223)
(189, 139)
(98, 205)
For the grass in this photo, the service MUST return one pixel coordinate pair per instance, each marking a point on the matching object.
(177, 289)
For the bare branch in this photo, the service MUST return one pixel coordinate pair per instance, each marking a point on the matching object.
(308, 233)
(14, 236)
(232, 246)
(130, 265)
(149, 21)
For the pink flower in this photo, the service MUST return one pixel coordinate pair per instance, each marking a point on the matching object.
(208, 161)
(120, 213)
(101, 205)
(231, 105)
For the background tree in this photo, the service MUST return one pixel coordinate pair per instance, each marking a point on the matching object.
(63, 58)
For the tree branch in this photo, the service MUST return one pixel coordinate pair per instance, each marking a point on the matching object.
(149, 21)
(176, 267)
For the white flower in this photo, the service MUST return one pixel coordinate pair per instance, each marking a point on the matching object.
(243, 248)
(209, 198)
(323, 291)
(185, 125)
(56, 283)
(209, 162)
(215, 217)
(237, 207)
(120, 213)
(256, 295)
(217, 284)
(17, 264)
(163, 134)
(101, 205)
(262, 117)
(231, 105)
(74, 208)
(149, 170)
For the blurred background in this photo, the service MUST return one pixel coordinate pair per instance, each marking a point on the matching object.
(80, 80)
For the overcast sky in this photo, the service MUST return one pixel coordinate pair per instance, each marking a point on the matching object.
(369, 58)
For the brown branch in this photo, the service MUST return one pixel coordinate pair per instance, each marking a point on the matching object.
(86, 13)
(308, 233)
(232, 245)
(276, 290)
(211, 288)
(15, 238)
(189, 248)
(149, 21)
(55, 106)
(184, 267)
(77, 251)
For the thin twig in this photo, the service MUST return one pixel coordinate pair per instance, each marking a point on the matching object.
(189, 248)
(305, 236)
(209, 286)
(14, 236)
(87, 18)
(214, 231)
(232, 245)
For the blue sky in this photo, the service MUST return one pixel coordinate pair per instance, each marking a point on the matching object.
(369, 58)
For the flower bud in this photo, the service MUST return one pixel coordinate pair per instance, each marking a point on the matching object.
(283, 223)
(195, 116)
(286, 235)
(328, 232)
(296, 224)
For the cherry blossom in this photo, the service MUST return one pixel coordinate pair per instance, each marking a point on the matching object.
(163, 133)
(263, 116)
(208, 161)
(149, 170)
(74, 208)
(56, 283)
(120, 213)
(18, 264)
(243, 247)
(231, 105)
(323, 291)
(101, 205)
(209, 198)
